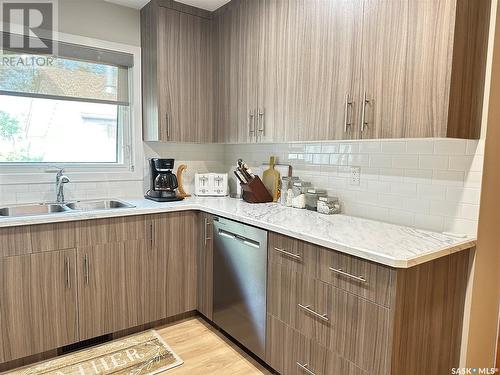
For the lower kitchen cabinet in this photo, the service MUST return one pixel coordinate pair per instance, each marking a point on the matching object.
(352, 328)
(175, 242)
(327, 312)
(292, 353)
(38, 303)
(112, 287)
(345, 315)
(205, 265)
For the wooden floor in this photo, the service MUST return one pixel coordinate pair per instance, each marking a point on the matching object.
(206, 351)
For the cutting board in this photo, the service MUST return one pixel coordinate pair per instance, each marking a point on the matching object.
(271, 179)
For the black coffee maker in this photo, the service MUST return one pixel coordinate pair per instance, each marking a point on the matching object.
(163, 182)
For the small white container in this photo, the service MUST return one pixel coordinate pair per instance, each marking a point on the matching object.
(210, 184)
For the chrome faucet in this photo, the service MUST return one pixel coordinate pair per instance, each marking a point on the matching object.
(61, 179)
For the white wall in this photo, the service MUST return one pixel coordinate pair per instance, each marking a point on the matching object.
(100, 20)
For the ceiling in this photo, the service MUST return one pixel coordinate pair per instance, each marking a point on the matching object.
(204, 4)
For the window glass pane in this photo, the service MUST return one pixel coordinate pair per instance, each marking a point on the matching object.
(57, 131)
(46, 76)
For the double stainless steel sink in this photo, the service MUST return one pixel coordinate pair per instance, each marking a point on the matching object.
(57, 208)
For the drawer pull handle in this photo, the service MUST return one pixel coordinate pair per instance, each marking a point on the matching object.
(312, 312)
(288, 254)
(67, 267)
(305, 368)
(343, 273)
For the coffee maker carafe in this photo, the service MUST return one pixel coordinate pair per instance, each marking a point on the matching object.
(163, 182)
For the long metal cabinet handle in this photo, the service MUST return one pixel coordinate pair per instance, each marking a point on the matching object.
(67, 268)
(364, 123)
(261, 122)
(167, 118)
(347, 120)
(288, 254)
(305, 368)
(86, 269)
(312, 312)
(350, 275)
(152, 234)
(251, 123)
(207, 223)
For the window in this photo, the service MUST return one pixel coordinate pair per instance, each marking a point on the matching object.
(69, 108)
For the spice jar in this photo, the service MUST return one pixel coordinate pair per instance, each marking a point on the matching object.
(312, 197)
(328, 205)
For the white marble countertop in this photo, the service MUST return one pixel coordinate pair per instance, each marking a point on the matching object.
(392, 245)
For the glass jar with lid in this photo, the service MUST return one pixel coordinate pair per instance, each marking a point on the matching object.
(300, 187)
(328, 205)
(312, 197)
(286, 192)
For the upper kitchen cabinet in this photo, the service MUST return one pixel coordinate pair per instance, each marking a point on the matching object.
(238, 28)
(310, 50)
(342, 69)
(383, 69)
(275, 79)
(422, 68)
(177, 78)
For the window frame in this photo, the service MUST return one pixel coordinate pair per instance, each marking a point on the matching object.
(129, 165)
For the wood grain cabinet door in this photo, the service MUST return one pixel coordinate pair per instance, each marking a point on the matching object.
(205, 265)
(383, 68)
(168, 69)
(246, 42)
(175, 242)
(226, 72)
(430, 55)
(112, 287)
(185, 74)
(38, 303)
(311, 53)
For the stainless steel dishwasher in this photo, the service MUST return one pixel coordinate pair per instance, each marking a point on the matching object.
(240, 280)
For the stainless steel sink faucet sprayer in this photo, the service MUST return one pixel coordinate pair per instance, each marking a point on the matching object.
(61, 179)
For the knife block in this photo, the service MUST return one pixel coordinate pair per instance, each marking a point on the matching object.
(255, 192)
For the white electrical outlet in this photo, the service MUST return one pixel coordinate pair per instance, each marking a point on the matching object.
(355, 176)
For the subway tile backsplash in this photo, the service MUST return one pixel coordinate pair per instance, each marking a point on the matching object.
(427, 183)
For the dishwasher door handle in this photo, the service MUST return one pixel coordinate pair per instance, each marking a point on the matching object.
(227, 235)
(243, 240)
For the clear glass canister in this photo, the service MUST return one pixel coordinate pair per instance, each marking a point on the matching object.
(328, 205)
(286, 191)
(300, 187)
(312, 197)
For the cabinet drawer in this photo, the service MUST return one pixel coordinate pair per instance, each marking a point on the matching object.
(357, 276)
(298, 256)
(291, 353)
(15, 241)
(300, 302)
(351, 327)
(120, 229)
(49, 237)
(360, 331)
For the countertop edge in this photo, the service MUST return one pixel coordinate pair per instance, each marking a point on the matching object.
(136, 211)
